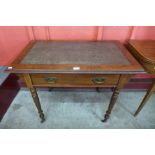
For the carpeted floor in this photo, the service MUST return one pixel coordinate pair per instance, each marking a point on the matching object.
(79, 110)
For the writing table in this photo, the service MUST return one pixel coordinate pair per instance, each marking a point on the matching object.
(75, 64)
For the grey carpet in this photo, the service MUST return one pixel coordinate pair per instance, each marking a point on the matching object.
(81, 110)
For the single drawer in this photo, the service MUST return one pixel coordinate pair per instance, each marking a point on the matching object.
(73, 79)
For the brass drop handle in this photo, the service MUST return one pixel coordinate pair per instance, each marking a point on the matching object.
(99, 80)
(51, 80)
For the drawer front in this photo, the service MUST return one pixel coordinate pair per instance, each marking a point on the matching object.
(73, 79)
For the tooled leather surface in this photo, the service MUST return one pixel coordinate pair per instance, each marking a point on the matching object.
(75, 53)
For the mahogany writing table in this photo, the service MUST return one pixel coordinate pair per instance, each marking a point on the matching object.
(75, 64)
(144, 52)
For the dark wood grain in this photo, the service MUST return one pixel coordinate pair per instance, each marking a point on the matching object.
(106, 73)
(144, 52)
(122, 81)
(132, 68)
(34, 94)
(146, 98)
(145, 48)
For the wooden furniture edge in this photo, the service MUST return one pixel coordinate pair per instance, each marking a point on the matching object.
(133, 49)
(26, 68)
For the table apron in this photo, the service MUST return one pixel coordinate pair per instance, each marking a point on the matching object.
(74, 80)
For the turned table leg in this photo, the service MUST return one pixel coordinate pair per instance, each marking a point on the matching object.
(111, 105)
(34, 94)
(122, 81)
(146, 98)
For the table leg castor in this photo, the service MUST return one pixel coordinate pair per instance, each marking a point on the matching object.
(106, 117)
(42, 117)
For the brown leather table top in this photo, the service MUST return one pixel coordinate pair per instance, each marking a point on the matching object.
(75, 53)
(42, 56)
